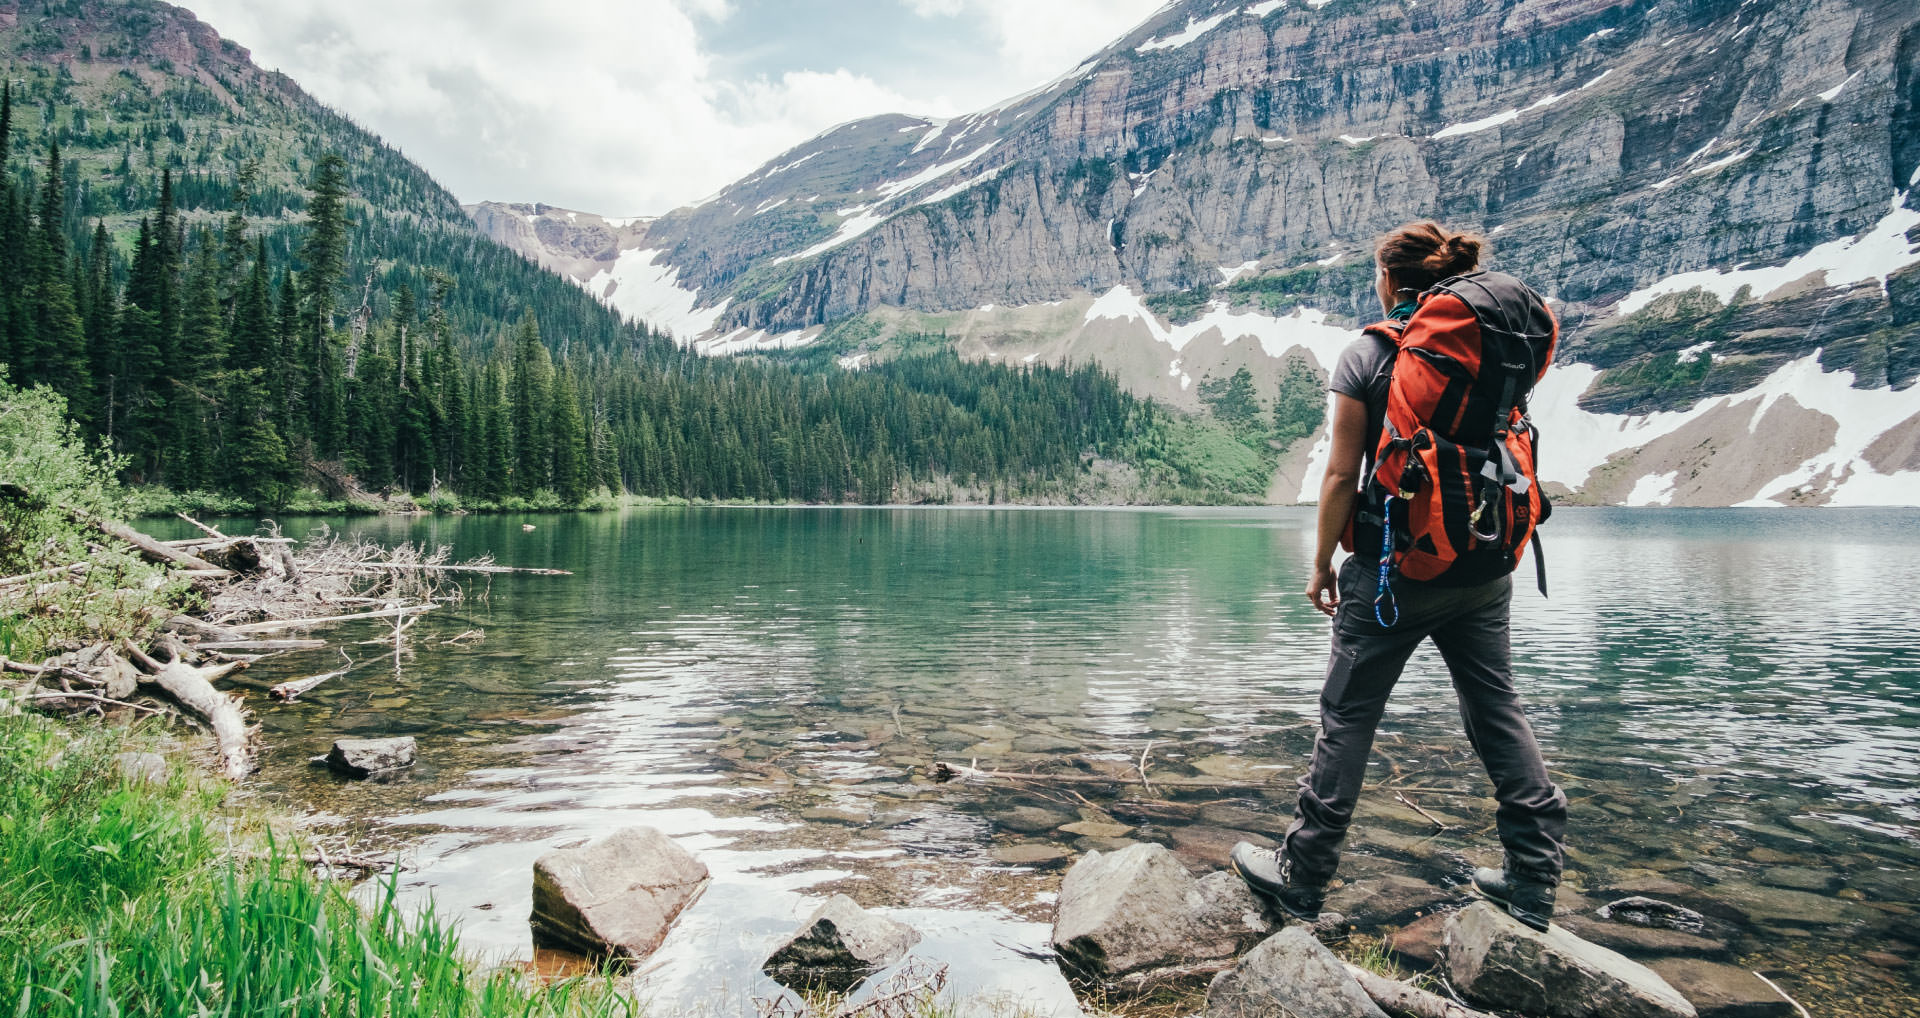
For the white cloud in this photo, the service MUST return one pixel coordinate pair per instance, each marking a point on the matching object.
(617, 106)
(1039, 40)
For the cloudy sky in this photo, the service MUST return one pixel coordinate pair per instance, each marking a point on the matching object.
(633, 107)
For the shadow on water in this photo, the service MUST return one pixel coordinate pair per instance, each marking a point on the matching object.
(1731, 698)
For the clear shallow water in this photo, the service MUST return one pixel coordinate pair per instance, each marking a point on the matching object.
(1730, 697)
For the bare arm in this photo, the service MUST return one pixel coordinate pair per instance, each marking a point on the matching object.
(1337, 494)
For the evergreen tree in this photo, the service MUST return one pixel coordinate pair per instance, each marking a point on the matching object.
(325, 254)
(1300, 406)
(573, 477)
(56, 350)
(532, 380)
(1233, 401)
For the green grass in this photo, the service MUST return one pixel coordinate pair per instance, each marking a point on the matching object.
(123, 898)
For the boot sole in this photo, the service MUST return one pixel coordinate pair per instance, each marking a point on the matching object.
(1506, 906)
(1269, 897)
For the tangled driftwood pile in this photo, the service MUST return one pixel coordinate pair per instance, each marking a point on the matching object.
(259, 592)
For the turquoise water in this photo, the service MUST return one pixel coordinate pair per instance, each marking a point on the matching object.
(1730, 697)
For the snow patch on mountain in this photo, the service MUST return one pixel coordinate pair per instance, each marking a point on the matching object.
(1507, 117)
(1576, 442)
(1875, 254)
(1306, 328)
(860, 219)
(642, 286)
(895, 188)
(1653, 489)
(1196, 27)
(968, 184)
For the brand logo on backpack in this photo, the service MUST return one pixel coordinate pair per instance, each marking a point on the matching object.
(1454, 476)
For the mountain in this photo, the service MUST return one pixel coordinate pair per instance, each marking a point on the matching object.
(1719, 196)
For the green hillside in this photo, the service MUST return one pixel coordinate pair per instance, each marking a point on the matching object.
(244, 293)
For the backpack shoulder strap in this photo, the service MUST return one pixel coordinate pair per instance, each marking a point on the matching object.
(1389, 329)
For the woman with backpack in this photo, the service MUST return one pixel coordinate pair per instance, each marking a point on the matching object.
(1430, 483)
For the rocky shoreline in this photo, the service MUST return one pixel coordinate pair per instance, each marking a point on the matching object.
(1136, 921)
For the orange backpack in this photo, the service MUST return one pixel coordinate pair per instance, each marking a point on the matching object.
(1454, 483)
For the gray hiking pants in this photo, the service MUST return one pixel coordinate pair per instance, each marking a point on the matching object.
(1469, 626)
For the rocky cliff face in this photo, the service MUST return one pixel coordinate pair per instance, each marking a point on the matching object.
(1713, 191)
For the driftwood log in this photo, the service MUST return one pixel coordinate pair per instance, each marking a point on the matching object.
(1397, 998)
(192, 688)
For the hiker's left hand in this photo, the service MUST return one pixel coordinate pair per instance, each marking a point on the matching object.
(1322, 590)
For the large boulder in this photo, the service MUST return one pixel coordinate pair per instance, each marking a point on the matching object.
(1495, 960)
(838, 946)
(371, 758)
(616, 897)
(1133, 917)
(1290, 975)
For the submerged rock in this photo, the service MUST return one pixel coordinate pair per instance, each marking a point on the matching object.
(616, 897)
(1136, 916)
(368, 758)
(1289, 975)
(1653, 913)
(1723, 991)
(837, 947)
(1498, 962)
(1031, 854)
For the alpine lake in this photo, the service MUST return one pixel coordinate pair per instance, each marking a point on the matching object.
(1730, 698)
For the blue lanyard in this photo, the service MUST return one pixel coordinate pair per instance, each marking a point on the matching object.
(1384, 594)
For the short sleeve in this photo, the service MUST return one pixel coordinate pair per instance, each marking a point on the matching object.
(1360, 368)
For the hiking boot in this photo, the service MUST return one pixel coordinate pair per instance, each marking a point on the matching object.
(1269, 874)
(1529, 901)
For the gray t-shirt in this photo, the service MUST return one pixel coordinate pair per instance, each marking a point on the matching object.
(1363, 371)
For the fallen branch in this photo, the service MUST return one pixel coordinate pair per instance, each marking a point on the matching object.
(427, 567)
(293, 688)
(264, 645)
(366, 863)
(1397, 998)
(279, 624)
(192, 688)
(75, 568)
(95, 698)
(149, 549)
(41, 671)
(1783, 995)
(1410, 804)
(203, 528)
(943, 772)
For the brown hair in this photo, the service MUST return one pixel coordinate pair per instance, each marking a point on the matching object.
(1423, 253)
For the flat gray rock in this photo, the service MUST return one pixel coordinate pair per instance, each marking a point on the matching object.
(366, 758)
(1496, 961)
(1723, 991)
(1289, 975)
(1130, 917)
(838, 946)
(616, 897)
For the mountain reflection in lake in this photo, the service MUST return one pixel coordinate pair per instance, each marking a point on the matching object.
(1731, 698)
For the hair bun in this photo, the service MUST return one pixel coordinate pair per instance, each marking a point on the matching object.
(1459, 253)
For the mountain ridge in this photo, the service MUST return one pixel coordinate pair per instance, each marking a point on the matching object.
(1225, 161)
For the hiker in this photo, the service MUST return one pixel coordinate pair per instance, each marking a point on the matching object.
(1463, 590)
